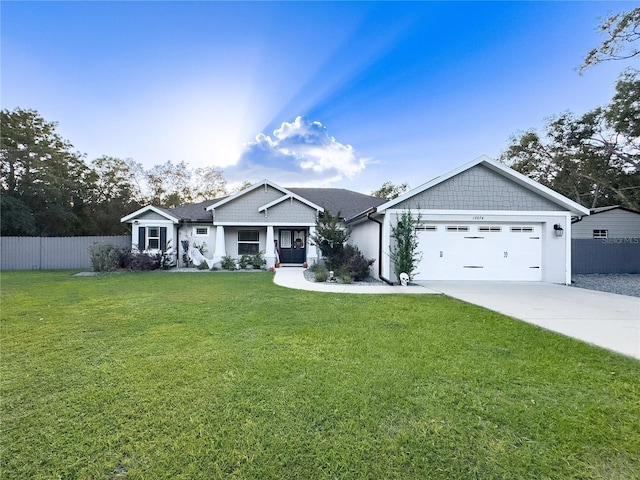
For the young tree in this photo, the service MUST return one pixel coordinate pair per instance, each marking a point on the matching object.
(404, 252)
(330, 238)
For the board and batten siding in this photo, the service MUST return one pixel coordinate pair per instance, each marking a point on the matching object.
(53, 253)
(619, 223)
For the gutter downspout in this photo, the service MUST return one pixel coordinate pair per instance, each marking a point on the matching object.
(379, 246)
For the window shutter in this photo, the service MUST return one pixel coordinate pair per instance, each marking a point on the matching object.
(163, 239)
(141, 238)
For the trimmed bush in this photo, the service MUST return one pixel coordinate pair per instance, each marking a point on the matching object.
(105, 257)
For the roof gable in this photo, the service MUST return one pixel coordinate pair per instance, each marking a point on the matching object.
(264, 183)
(150, 208)
(497, 168)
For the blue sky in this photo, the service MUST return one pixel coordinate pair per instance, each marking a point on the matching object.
(341, 94)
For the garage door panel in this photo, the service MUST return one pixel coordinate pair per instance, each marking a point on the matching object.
(481, 252)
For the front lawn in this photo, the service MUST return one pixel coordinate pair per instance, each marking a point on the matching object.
(163, 376)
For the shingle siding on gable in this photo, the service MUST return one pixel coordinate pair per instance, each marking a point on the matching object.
(478, 188)
(291, 212)
(244, 209)
(151, 216)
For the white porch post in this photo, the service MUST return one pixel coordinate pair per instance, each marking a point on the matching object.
(312, 250)
(220, 250)
(270, 254)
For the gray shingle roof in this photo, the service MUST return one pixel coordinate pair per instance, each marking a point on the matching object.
(334, 200)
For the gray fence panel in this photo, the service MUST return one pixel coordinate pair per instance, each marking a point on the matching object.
(52, 253)
(606, 255)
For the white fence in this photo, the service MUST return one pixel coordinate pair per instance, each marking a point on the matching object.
(52, 253)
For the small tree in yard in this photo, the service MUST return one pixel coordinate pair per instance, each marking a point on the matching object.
(330, 239)
(403, 252)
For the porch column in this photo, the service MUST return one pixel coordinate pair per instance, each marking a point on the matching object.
(220, 250)
(312, 250)
(270, 254)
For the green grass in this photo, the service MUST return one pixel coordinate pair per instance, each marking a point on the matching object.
(160, 375)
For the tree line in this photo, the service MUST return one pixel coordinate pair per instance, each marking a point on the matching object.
(48, 189)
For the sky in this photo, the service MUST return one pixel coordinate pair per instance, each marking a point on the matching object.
(328, 94)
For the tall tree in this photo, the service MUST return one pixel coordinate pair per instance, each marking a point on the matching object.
(593, 158)
(116, 193)
(48, 180)
(390, 191)
(209, 184)
(623, 35)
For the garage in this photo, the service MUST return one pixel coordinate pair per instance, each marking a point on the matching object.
(453, 251)
(480, 221)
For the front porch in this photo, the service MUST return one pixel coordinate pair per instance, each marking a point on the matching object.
(280, 244)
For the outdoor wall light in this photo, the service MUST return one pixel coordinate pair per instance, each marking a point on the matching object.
(558, 229)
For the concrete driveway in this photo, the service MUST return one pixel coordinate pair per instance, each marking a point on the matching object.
(604, 319)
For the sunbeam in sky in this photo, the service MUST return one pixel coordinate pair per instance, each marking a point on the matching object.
(344, 94)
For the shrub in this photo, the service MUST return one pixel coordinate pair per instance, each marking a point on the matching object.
(228, 263)
(258, 260)
(143, 262)
(203, 266)
(319, 272)
(245, 261)
(355, 263)
(105, 257)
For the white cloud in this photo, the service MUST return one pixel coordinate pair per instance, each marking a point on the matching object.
(302, 152)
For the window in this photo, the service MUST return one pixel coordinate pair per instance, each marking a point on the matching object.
(202, 230)
(457, 229)
(489, 229)
(600, 233)
(427, 228)
(522, 229)
(248, 242)
(153, 238)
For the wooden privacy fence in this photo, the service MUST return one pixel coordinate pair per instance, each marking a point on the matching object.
(52, 253)
(605, 255)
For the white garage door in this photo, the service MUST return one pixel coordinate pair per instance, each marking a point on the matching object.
(480, 252)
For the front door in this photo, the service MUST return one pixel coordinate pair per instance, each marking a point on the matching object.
(293, 246)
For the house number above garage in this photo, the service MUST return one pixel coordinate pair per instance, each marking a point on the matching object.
(477, 217)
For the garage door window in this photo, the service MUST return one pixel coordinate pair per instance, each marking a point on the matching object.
(489, 229)
(427, 228)
(457, 229)
(522, 229)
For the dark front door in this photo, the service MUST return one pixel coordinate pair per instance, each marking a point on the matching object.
(293, 246)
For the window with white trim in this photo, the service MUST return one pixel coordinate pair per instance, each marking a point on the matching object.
(202, 231)
(153, 238)
(248, 242)
(600, 233)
